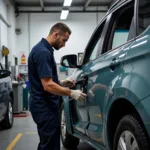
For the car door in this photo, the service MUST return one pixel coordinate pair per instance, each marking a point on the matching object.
(100, 73)
(82, 77)
(106, 70)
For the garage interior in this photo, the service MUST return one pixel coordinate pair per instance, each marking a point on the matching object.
(22, 24)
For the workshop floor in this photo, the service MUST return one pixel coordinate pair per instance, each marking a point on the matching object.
(23, 136)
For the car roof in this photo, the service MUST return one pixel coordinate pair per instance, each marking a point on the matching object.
(116, 4)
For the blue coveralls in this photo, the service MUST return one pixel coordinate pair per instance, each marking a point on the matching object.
(44, 106)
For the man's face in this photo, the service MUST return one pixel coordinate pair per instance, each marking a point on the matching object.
(60, 40)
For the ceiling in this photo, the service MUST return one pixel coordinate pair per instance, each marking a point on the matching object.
(45, 6)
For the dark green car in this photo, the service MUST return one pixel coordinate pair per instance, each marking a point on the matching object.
(115, 75)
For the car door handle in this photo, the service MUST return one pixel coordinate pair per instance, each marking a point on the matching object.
(83, 80)
(114, 64)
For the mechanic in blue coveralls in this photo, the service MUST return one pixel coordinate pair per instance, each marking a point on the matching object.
(45, 88)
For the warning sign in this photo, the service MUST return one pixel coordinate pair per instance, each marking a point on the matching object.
(23, 59)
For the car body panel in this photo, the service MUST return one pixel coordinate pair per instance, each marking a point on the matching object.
(136, 62)
(5, 89)
(144, 112)
(127, 80)
(89, 141)
(5, 92)
(100, 76)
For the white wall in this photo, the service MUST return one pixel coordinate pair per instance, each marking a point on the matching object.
(23, 40)
(3, 27)
(35, 26)
(12, 35)
(7, 34)
(3, 8)
(4, 35)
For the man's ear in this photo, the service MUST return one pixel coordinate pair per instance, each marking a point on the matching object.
(56, 34)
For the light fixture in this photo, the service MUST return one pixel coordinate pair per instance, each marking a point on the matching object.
(67, 2)
(64, 14)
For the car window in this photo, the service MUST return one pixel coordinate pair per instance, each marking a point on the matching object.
(120, 27)
(93, 46)
(143, 15)
(95, 50)
(120, 37)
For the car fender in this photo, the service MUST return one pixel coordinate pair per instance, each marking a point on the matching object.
(143, 110)
(119, 94)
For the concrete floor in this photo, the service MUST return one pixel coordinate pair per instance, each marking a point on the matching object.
(28, 136)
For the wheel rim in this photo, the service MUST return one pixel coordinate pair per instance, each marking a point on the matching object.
(127, 141)
(10, 113)
(63, 125)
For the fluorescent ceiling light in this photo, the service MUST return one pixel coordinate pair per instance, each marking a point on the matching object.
(64, 14)
(67, 2)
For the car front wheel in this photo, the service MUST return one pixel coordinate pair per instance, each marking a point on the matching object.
(68, 141)
(130, 135)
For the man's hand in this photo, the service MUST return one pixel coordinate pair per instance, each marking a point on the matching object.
(78, 95)
(67, 83)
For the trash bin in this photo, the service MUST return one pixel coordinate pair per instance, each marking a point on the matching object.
(25, 99)
(27, 85)
(17, 91)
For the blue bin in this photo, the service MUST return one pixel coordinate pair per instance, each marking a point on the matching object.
(25, 99)
(27, 85)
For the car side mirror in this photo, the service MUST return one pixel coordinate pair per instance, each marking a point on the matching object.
(69, 61)
(4, 73)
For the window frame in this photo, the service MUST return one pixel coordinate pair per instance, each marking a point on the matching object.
(112, 26)
(138, 33)
(104, 34)
(88, 51)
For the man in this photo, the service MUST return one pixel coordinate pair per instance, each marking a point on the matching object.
(45, 87)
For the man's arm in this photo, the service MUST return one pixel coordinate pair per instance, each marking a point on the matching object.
(54, 88)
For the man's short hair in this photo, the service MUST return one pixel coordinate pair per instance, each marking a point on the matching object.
(60, 27)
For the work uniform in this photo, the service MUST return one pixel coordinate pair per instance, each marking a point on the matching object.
(44, 106)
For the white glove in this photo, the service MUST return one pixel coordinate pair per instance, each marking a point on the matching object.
(78, 95)
(90, 94)
(67, 83)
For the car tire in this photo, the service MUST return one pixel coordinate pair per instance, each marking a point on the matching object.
(131, 134)
(7, 123)
(68, 141)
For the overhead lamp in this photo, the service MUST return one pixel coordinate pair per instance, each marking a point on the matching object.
(64, 14)
(67, 2)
